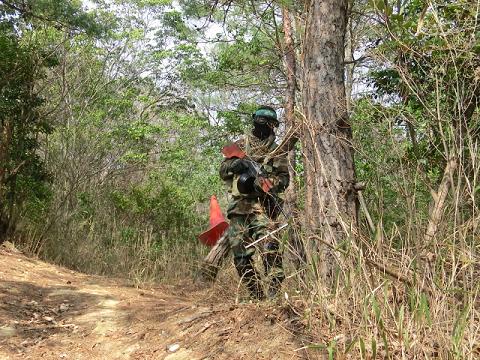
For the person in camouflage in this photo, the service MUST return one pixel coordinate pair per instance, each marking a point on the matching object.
(251, 213)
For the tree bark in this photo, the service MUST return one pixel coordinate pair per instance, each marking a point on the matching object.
(331, 204)
(291, 68)
(5, 140)
(349, 68)
(290, 63)
(439, 199)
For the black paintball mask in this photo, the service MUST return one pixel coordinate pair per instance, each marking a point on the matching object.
(264, 122)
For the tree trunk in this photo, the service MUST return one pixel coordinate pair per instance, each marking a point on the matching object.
(5, 139)
(290, 63)
(331, 204)
(349, 69)
(439, 199)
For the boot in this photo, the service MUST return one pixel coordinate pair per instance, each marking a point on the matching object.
(247, 273)
(274, 287)
(272, 261)
(255, 289)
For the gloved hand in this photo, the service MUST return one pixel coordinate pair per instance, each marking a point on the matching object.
(238, 166)
(264, 185)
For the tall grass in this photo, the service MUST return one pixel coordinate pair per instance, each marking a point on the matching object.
(395, 295)
(406, 287)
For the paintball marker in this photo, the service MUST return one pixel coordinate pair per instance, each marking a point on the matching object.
(254, 179)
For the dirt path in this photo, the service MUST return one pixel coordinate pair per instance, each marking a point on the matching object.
(50, 312)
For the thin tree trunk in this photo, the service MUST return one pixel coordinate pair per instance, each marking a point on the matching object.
(331, 204)
(439, 200)
(291, 67)
(290, 63)
(5, 139)
(350, 67)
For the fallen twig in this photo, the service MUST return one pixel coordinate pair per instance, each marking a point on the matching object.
(382, 267)
(206, 327)
(48, 327)
(194, 317)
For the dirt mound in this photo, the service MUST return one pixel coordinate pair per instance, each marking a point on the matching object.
(51, 312)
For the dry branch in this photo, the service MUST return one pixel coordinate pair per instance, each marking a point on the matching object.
(393, 273)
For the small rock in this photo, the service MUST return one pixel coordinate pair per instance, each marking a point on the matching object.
(7, 331)
(48, 318)
(63, 356)
(172, 348)
(63, 307)
(10, 246)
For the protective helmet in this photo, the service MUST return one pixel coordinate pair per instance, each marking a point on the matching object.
(265, 114)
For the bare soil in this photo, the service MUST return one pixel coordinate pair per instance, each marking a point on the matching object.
(49, 312)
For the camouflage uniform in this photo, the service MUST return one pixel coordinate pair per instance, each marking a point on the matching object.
(249, 216)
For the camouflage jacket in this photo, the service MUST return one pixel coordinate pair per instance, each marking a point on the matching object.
(276, 169)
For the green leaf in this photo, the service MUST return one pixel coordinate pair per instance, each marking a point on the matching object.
(374, 348)
(363, 351)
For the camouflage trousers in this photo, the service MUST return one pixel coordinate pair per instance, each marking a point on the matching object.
(245, 229)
